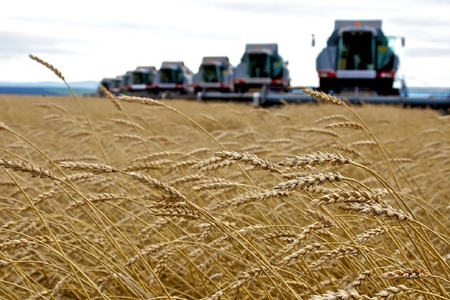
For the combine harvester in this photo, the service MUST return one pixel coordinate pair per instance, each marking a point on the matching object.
(214, 74)
(174, 78)
(358, 64)
(261, 65)
(141, 81)
(107, 83)
(261, 69)
(114, 85)
(358, 57)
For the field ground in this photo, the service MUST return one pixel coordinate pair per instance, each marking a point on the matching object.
(139, 199)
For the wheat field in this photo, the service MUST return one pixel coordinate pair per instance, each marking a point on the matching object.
(134, 198)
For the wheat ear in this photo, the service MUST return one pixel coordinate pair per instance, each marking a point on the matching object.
(49, 66)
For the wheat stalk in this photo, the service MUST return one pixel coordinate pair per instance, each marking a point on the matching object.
(340, 251)
(324, 97)
(308, 181)
(348, 197)
(213, 183)
(48, 66)
(141, 100)
(250, 159)
(156, 184)
(23, 166)
(251, 197)
(292, 258)
(352, 125)
(23, 242)
(320, 130)
(392, 292)
(314, 159)
(370, 234)
(379, 210)
(127, 123)
(87, 166)
(408, 273)
(332, 117)
(350, 294)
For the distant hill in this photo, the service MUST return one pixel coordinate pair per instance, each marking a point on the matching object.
(48, 88)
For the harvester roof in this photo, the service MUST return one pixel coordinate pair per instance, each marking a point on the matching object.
(267, 48)
(341, 26)
(172, 64)
(219, 60)
(338, 24)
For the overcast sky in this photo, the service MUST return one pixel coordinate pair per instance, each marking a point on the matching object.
(89, 40)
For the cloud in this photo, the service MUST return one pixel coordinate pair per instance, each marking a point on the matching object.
(427, 52)
(276, 7)
(17, 44)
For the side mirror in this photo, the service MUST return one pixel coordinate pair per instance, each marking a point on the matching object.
(313, 40)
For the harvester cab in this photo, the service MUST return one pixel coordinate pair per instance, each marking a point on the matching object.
(214, 74)
(358, 56)
(142, 80)
(174, 76)
(261, 65)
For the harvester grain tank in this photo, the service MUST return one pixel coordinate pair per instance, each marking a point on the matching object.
(214, 74)
(358, 56)
(261, 65)
(142, 80)
(174, 76)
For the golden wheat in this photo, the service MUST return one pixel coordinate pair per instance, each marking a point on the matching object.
(171, 199)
